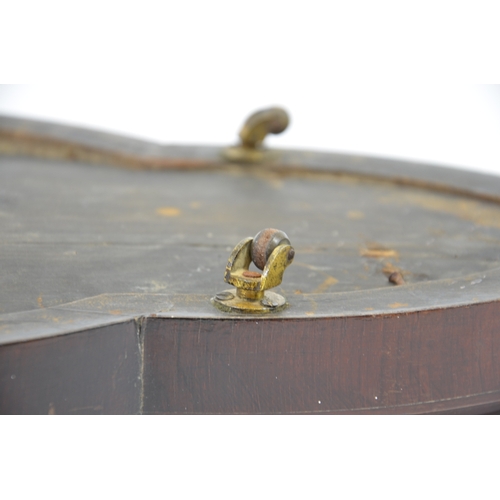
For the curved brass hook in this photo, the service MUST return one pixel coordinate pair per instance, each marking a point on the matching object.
(261, 123)
(252, 134)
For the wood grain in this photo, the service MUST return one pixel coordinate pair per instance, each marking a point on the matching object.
(426, 362)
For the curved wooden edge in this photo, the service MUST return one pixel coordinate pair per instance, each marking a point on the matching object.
(49, 140)
(23, 141)
(108, 309)
(431, 362)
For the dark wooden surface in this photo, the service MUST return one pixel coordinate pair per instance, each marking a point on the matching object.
(111, 249)
(96, 371)
(72, 232)
(427, 362)
(417, 363)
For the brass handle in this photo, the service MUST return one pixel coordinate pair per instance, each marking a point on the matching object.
(253, 133)
(261, 123)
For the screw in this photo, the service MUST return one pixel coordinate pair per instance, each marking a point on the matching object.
(397, 278)
(224, 296)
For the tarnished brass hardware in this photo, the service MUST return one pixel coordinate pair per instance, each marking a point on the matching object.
(253, 132)
(271, 252)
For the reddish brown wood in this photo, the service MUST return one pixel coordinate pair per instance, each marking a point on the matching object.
(95, 371)
(442, 361)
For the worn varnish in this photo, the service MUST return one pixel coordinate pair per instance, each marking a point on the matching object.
(107, 274)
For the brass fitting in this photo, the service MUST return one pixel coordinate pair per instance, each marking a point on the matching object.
(271, 252)
(253, 132)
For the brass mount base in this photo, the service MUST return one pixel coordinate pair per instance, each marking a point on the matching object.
(228, 301)
(242, 154)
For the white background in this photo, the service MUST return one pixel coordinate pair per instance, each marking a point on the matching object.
(394, 79)
(453, 125)
(363, 77)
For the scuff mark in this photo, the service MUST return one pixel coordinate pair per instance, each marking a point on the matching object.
(86, 408)
(395, 305)
(377, 251)
(355, 215)
(168, 211)
(327, 283)
(314, 307)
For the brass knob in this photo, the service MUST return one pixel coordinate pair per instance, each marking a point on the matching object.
(270, 250)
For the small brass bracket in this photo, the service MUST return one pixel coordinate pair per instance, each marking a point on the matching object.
(252, 134)
(251, 294)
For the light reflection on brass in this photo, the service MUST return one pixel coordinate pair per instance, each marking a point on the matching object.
(253, 133)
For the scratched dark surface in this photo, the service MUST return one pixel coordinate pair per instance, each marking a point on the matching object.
(72, 231)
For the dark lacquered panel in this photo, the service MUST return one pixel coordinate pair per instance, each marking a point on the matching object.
(437, 361)
(72, 231)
